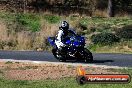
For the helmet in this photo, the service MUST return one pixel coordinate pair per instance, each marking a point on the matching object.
(64, 25)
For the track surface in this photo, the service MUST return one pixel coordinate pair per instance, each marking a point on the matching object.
(121, 60)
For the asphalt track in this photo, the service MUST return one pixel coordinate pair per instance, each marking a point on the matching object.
(121, 60)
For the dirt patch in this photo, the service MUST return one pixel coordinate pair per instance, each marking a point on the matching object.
(30, 71)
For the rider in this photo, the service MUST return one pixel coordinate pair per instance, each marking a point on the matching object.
(64, 31)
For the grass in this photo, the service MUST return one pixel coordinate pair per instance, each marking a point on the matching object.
(30, 31)
(24, 31)
(7, 16)
(104, 24)
(20, 68)
(31, 67)
(60, 83)
(120, 47)
(26, 21)
(9, 62)
(1, 72)
(63, 83)
(52, 19)
(31, 21)
(17, 62)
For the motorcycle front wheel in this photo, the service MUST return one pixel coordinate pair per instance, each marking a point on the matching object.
(88, 57)
(58, 56)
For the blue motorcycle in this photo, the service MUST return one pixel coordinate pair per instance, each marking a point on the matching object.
(73, 49)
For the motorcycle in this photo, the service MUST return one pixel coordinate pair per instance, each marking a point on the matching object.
(73, 49)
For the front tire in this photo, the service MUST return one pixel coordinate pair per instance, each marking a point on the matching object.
(54, 52)
(88, 57)
(58, 56)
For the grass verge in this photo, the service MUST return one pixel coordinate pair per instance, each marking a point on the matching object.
(61, 83)
(120, 47)
(29, 31)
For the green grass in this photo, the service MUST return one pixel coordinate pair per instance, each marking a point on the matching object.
(9, 62)
(31, 67)
(30, 21)
(124, 46)
(7, 16)
(1, 72)
(110, 21)
(33, 22)
(60, 83)
(105, 24)
(52, 19)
